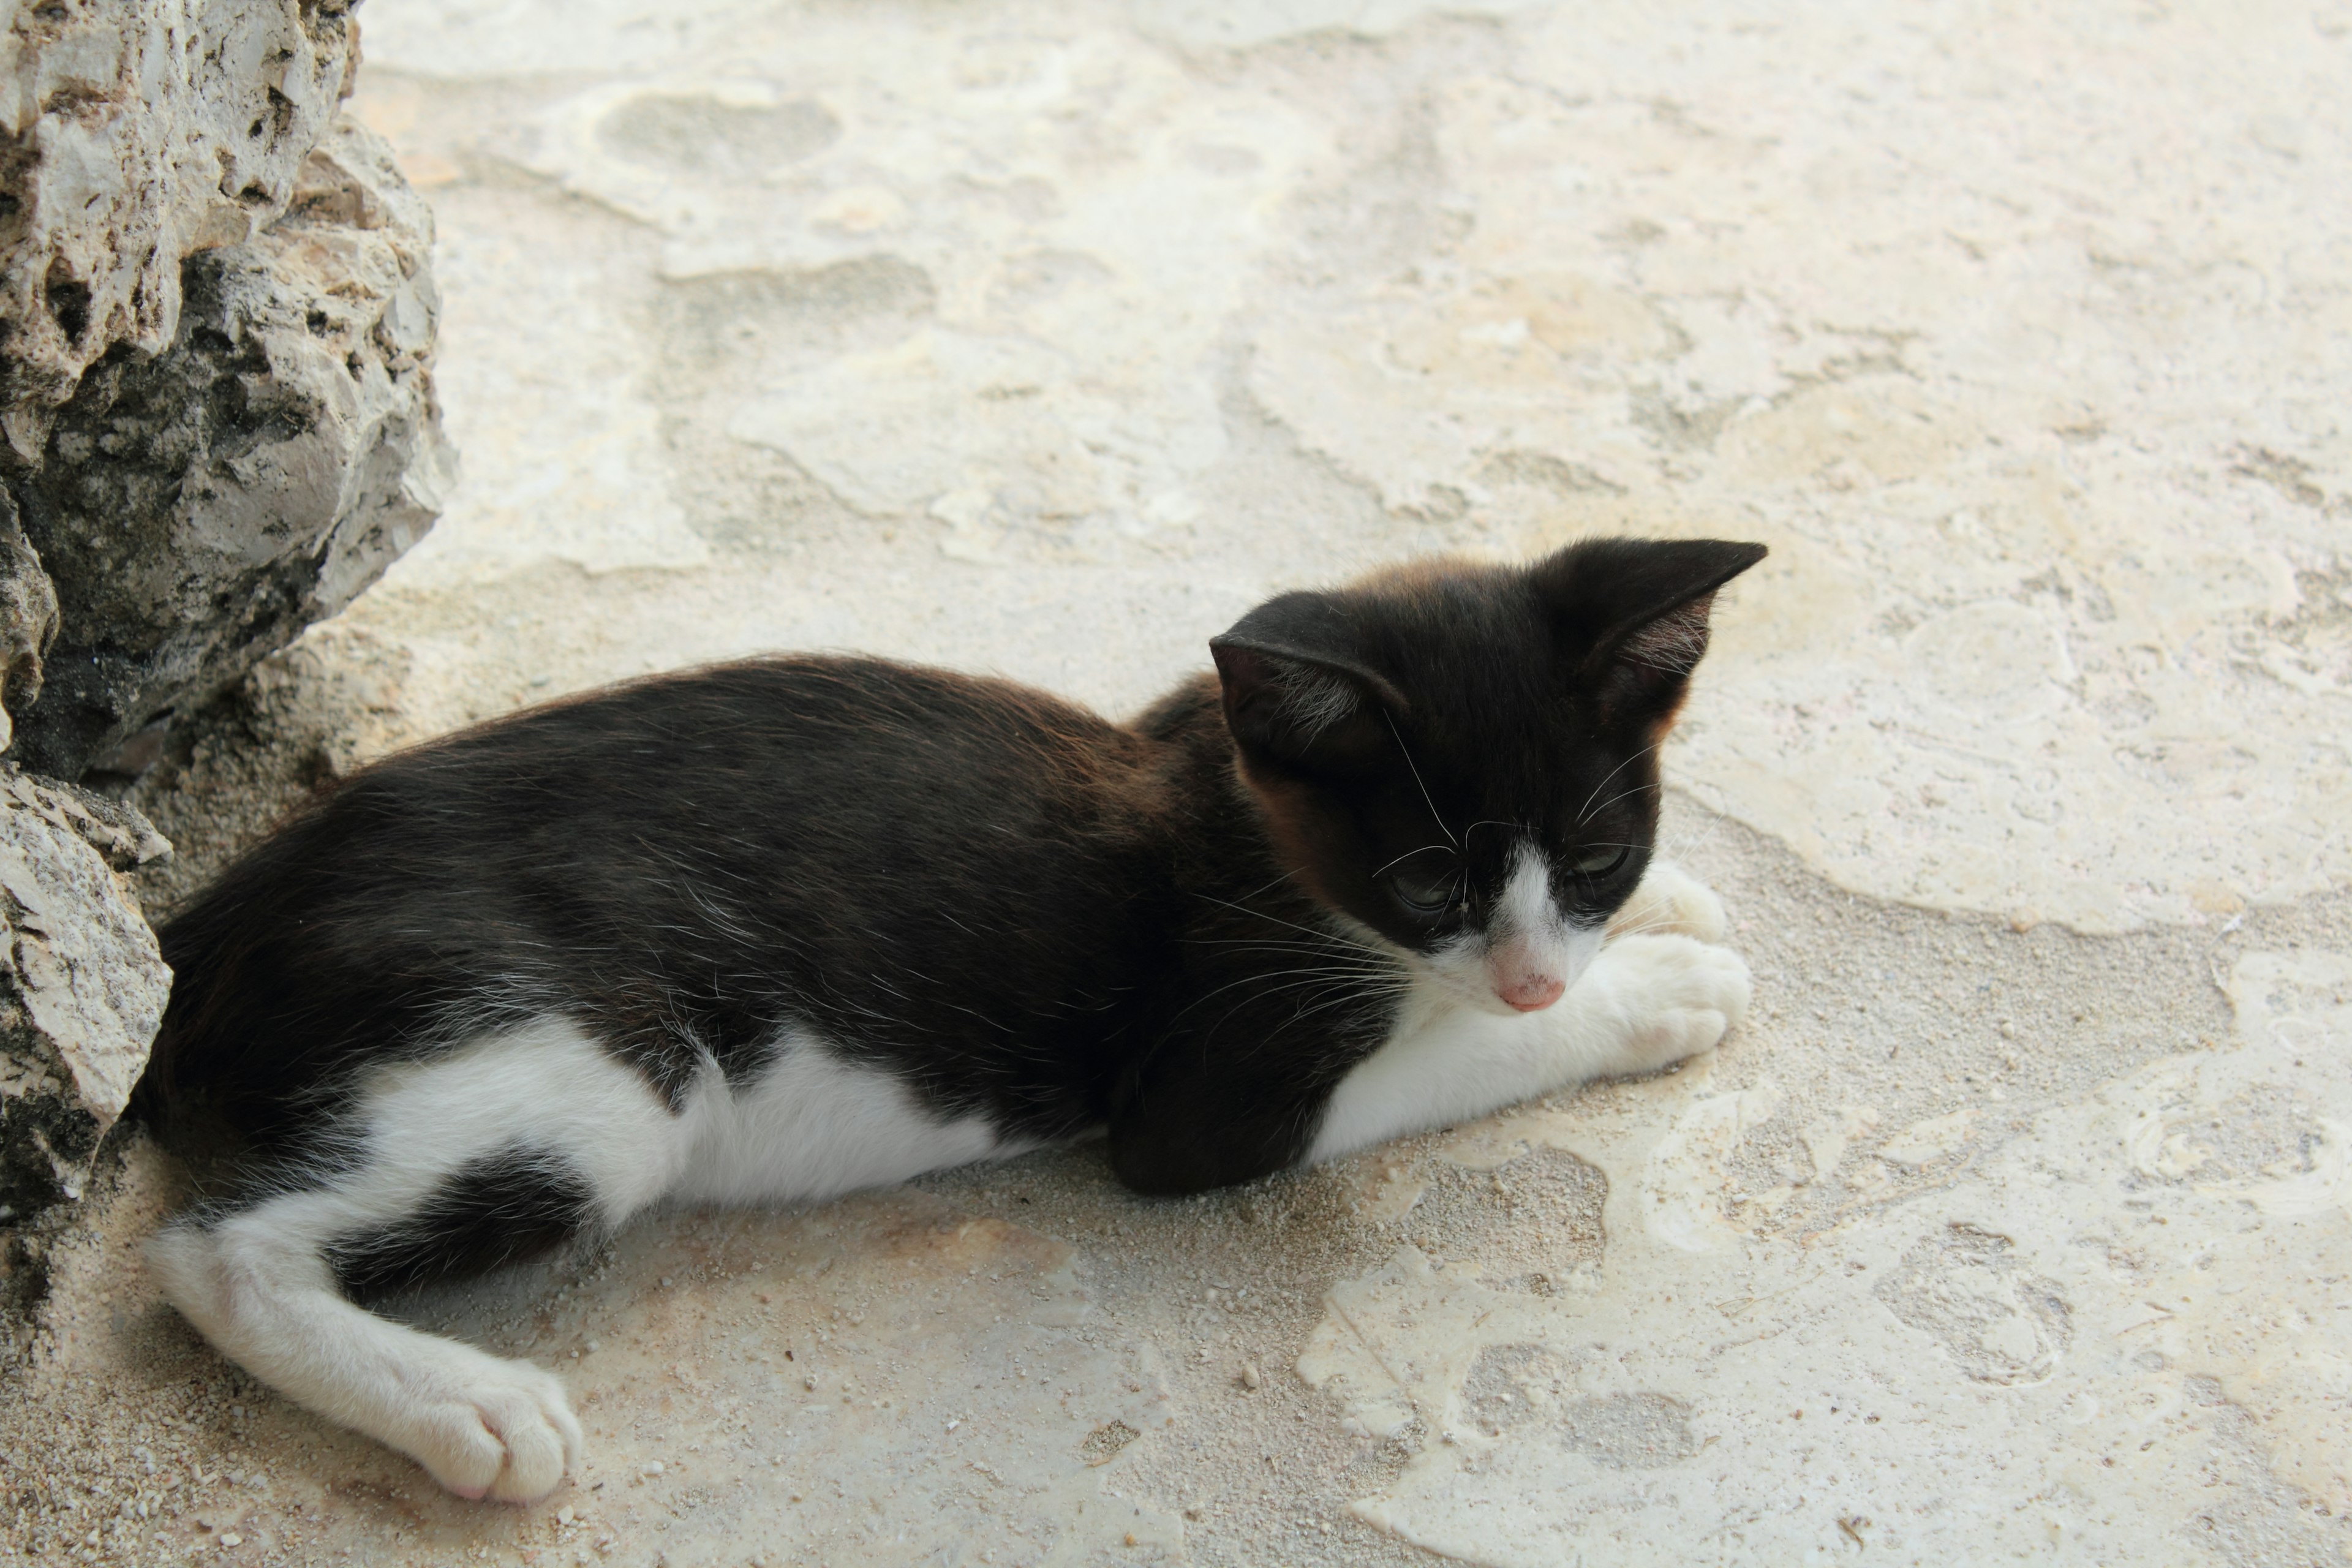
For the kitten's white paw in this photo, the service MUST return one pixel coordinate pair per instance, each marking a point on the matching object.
(485, 1426)
(1675, 996)
(1669, 902)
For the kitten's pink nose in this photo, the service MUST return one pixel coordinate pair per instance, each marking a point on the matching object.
(1530, 991)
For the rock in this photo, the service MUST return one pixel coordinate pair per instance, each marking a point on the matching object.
(197, 508)
(216, 319)
(28, 619)
(82, 984)
(132, 134)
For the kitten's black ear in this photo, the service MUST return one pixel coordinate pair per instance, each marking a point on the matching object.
(1296, 693)
(1634, 613)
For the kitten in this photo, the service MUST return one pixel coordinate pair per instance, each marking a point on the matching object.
(779, 930)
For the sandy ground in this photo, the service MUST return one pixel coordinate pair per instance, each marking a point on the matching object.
(1045, 339)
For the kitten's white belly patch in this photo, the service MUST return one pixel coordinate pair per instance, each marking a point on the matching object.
(545, 1085)
(812, 1126)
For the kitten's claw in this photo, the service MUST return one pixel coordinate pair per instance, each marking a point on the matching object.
(1675, 996)
(497, 1428)
(1669, 902)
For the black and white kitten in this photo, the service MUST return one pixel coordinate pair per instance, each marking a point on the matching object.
(779, 930)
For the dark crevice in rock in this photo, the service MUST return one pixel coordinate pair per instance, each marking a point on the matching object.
(197, 508)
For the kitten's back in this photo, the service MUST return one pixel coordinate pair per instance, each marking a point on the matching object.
(691, 860)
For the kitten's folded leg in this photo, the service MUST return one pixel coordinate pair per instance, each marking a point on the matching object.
(257, 1285)
(1650, 1001)
(1646, 1002)
(1670, 902)
(494, 1153)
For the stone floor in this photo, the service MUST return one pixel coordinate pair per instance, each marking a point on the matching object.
(1045, 338)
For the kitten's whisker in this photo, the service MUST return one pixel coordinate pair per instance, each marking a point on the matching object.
(1411, 853)
(1336, 962)
(1640, 928)
(1425, 799)
(1303, 974)
(1275, 945)
(1716, 819)
(1254, 892)
(1308, 1007)
(1341, 994)
(1294, 925)
(1612, 800)
(1584, 813)
(1342, 972)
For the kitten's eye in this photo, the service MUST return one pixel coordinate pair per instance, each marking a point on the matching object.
(1598, 860)
(1425, 891)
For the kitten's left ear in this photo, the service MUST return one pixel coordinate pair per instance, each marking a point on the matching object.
(1297, 692)
(1635, 612)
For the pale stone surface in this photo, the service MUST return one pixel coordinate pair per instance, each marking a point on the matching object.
(1045, 339)
(2051, 1353)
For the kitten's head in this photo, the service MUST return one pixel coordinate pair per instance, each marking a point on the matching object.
(1464, 759)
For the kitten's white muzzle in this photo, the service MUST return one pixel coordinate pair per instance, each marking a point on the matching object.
(1528, 957)
(1533, 954)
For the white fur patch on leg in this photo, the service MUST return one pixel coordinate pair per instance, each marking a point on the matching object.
(258, 1284)
(1664, 998)
(1645, 1001)
(258, 1287)
(1670, 902)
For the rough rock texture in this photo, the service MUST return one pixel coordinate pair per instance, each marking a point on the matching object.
(82, 985)
(28, 618)
(132, 132)
(197, 508)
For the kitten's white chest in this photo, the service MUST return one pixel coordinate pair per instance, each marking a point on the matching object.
(811, 1125)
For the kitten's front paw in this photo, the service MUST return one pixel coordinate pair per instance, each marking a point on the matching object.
(1669, 902)
(1675, 996)
(483, 1425)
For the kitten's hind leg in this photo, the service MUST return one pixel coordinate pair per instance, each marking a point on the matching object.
(1669, 902)
(258, 1285)
(498, 1152)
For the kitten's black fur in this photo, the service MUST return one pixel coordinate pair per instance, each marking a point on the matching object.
(1019, 907)
(1188, 930)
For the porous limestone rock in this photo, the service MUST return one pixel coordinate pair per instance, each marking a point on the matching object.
(131, 134)
(215, 318)
(28, 618)
(82, 984)
(197, 508)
